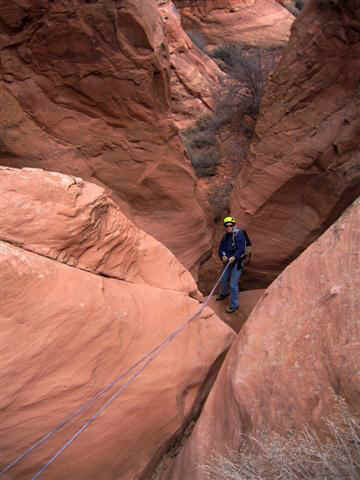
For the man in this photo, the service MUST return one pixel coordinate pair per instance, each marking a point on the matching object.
(232, 250)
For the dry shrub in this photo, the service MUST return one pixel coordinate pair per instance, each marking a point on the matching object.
(236, 109)
(202, 146)
(295, 457)
(240, 94)
(243, 64)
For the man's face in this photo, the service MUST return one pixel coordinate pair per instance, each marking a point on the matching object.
(229, 227)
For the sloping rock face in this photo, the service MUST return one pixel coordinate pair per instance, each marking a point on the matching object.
(303, 167)
(85, 90)
(298, 353)
(256, 22)
(78, 223)
(84, 295)
(194, 77)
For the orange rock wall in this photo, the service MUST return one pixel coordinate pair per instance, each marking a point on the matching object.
(256, 22)
(194, 76)
(303, 166)
(85, 90)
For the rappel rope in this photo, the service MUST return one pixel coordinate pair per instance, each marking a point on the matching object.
(145, 360)
(73, 415)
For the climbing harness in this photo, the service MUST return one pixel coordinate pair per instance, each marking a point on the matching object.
(144, 361)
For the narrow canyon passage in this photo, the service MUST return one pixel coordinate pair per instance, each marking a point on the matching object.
(128, 131)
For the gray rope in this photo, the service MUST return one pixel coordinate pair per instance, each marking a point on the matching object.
(147, 358)
(73, 415)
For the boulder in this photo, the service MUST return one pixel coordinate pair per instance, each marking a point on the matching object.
(85, 295)
(297, 356)
(78, 223)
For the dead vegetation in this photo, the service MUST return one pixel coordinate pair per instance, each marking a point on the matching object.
(295, 457)
(236, 109)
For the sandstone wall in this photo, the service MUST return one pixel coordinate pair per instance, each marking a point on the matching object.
(85, 90)
(256, 22)
(303, 165)
(194, 76)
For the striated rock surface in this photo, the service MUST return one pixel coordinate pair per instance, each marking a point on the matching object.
(256, 22)
(84, 295)
(194, 77)
(298, 353)
(304, 164)
(85, 90)
(78, 223)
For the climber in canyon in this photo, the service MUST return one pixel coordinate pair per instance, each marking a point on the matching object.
(234, 249)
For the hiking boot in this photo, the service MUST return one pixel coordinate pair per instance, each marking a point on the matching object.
(221, 297)
(230, 309)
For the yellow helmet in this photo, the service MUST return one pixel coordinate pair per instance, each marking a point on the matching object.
(229, 220)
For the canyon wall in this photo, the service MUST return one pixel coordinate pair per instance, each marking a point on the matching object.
(256, 22)
(85, 90)
(303, 165)
(195, 78)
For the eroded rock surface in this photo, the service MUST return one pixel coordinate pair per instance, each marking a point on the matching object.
(194, 77)
(303, 166)
(84, 296)
(256, 22)
(296, 356)
(78, 223)
(85, 90)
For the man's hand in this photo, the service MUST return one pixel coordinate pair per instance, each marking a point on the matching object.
(224, 259)
(232, 259)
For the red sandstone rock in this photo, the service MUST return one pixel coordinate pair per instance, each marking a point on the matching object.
(296, 356)
(194, 77)
(78, 223)
(85, 90)
(66, 332)
(303, 166)
(256, 22)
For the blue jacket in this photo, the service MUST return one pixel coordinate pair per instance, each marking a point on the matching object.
(233, 244)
